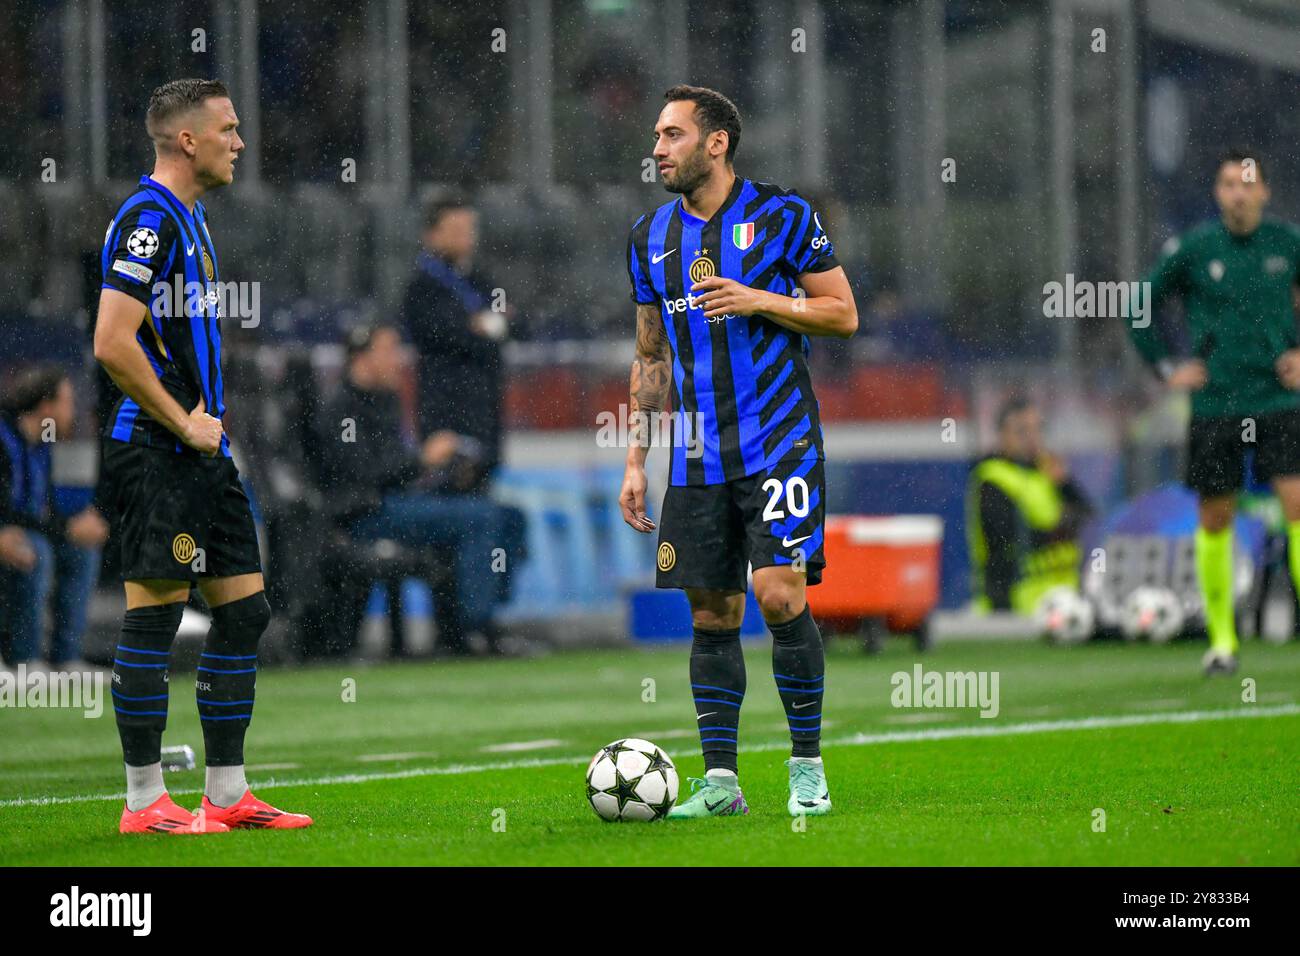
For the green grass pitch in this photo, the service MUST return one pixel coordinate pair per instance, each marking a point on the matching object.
(481, 762)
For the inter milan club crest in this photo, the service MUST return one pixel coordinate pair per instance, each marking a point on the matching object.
(183, 548)
(742, 235)
(207, 266)
(667, 557)
(701, 268)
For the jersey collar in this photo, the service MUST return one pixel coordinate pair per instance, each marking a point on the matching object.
(732, 196)
(150, 183)
(1237, 237)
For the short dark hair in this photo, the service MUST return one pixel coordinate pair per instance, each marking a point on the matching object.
(713, 112)
(31, 387)
(178, 96)
(1011, 407)
(1239, 154)
(437, 208)
(359, 338)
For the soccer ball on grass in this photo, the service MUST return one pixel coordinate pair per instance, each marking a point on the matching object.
(631, 779)
(1151, 613)
(1065, 616)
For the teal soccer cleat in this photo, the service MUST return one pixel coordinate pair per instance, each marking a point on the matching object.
(710, 799)
(809, 795)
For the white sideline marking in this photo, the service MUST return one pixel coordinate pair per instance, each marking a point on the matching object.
(1078, 723)
(521, 746)
(856, 740)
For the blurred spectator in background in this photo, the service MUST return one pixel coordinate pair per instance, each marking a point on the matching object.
(607, 121)
(42, 553)
(457, 329)
(383, 485)
(1023, 516)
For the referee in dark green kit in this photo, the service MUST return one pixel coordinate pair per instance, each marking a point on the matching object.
(1236, 277)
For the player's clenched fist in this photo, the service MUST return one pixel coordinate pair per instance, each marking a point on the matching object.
(203, 433)
(632, 500)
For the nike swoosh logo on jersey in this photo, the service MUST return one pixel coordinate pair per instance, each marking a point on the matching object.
(787, 543)
(660, 258)
(189, 250)
(807, 703)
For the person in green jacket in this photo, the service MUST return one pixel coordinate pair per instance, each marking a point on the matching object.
(1236, 277)
(1023, 517)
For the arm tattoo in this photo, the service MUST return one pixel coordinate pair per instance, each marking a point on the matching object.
(650, 373)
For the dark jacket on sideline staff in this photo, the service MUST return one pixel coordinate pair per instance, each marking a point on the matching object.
(26, 483)
(460, 371)
(355, 475)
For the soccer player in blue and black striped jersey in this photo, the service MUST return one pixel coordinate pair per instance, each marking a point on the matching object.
(180, 515)
(730, 280)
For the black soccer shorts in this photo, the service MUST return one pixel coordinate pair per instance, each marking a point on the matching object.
(178, 516)
(1217, 447)
(710, 534)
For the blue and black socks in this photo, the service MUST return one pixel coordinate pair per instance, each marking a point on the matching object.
(225, 682)
(227, 676)
(718, 685)
(140, 668)
(799, 666)
(140, 680)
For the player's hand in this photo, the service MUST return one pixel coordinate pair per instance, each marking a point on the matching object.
(1053, 467)
(1189, 376)
(439, 448)
(87, 529)
(489, 324)
(632, 499)
(15, 550)
(1288, 369)
(203, 432)
(719, 296)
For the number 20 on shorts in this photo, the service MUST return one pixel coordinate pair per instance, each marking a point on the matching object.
(795, 493)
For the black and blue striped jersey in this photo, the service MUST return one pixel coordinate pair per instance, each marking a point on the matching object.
(158, 252)
(740, 382)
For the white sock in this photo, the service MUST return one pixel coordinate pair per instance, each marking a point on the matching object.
(724, 778)
(144, 785)
(812, 760)
(223, 786)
